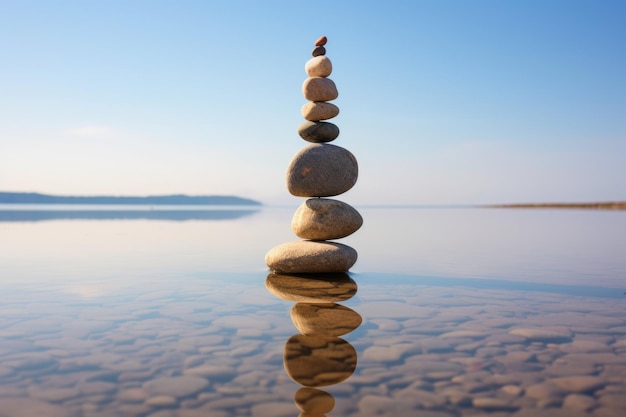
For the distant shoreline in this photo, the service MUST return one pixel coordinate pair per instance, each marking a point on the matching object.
(176, 199)
(610, 205)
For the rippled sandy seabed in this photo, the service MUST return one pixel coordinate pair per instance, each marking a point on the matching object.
(173, 341)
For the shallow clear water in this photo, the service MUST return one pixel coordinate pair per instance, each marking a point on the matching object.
(448, 312)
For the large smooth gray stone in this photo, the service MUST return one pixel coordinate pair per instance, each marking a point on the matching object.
(305, 256)
(318, 132)
(321, 170)
(325, 219)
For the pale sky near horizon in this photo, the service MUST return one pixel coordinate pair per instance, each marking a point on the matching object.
(442, 102)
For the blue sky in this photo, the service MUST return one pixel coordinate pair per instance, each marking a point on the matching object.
(441, 101)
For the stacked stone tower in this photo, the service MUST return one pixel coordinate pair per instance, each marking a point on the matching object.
(318, 171)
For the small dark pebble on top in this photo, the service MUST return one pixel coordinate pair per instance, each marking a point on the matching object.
(319, 50)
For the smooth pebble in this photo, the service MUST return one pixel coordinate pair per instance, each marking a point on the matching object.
(318, 50)
(319, 89)
(325, 219)
(318, 132)
(319, 110)
(319, 66)
(322, 170)
(310, 257)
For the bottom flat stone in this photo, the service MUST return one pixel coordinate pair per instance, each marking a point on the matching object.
(305, 256)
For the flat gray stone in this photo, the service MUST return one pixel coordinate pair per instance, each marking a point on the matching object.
(544, 390)
(309, 256)
(161, 401)
(584, 346)
(132, 395)
(180, 386)
(378, 405)
(579, 383)
(470, 334)
(492, 403)
(617, 400)
(325, 219)
(544, 334)
(274, 408)
(570, 365)
(27, 407)
(319, 110)
(319, 89)
(212, 372)
(549, 412)
(318, 132)
(579, 402)
(512, 390)
(53, 395)
(322, 170)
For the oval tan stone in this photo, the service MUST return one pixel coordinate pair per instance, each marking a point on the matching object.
(321, 170)
(325, 219)
(311, 288)
(319, 89)
(319, 110)
(327, 319)
(308, 256)
(319, 66)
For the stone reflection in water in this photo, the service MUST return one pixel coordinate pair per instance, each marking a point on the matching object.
(311, 288)
(314, 402)
(329, 319)
(317, 360)
(317, 357)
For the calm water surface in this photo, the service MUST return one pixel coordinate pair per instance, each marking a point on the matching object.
(163, 312)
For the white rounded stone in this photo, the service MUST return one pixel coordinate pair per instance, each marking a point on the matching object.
(319, 66)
